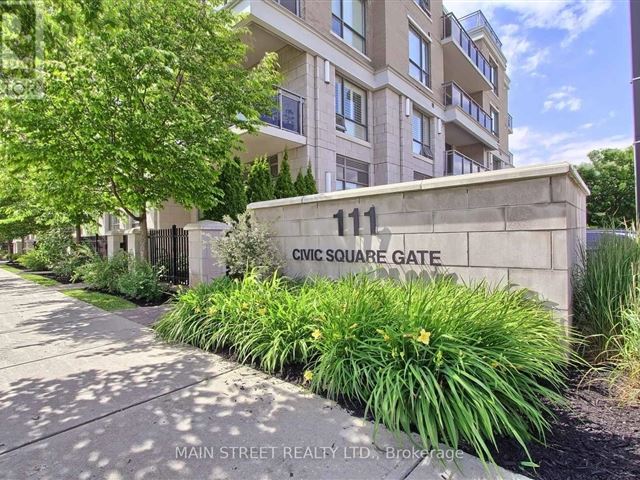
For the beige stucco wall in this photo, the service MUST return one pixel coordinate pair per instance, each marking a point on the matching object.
(518, 226)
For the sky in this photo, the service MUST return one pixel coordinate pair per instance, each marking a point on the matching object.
(570, 68)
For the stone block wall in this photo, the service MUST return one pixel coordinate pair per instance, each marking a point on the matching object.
(521, 226)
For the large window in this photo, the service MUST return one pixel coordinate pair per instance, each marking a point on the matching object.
(421, 127)
(419, 58)
(348, 22)
(495, 120)
(493, 76)
(351, 109)
(351, 173)
(272, 160)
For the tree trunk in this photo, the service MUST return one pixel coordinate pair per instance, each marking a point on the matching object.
(78, 234)
(144, 235)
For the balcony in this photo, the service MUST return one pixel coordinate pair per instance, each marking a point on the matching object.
(463, 62)
(283, 128)
(459, 164)
(288, 113)
(474, 123)
(477, 22)
(509, 123)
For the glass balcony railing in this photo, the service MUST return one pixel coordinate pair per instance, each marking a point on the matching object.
(477, 20)
(459, 164)
(287, 115)
(454, 95)
(451, 28)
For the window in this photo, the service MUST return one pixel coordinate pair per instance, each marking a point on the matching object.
(495, 120)
(351, 173)
(421, 127)
(291, 5)
(113, 222)
(351, 109)
(272, 160)
(348, 22)
(493, 76)
(424, 5)
(420, 176)
(419, 58)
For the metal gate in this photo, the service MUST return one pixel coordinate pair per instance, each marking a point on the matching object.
(97, 243)
(169, 251)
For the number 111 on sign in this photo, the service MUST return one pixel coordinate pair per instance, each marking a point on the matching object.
(355, 215)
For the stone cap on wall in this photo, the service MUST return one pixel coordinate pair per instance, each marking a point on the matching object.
(207, 225)
(520, 173)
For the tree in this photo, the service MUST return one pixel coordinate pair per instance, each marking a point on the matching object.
(259, 183)
(145, 102)
(610, 177)
(310, 182)
(234, 196)
(284, 185)
(300, 184)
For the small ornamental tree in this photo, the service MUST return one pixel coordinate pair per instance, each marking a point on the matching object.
(259, 183)
(300, 184)
(284, 187)
(310, 182)
(234, 196)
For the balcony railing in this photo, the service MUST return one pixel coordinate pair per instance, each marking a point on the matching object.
(459, 164)
(451, 28)
(454, 95)
(509, 123)
(288, 113)
(477, 20)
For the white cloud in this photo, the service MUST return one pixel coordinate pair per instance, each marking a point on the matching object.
(563, 99)
(530, 146)
(571, 17)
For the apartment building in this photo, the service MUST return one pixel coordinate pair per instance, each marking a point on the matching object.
(378, 92)
(373, 92)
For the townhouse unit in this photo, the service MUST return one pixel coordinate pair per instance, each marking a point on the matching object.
(378, 92)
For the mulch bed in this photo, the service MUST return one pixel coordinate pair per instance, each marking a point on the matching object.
(592, 438)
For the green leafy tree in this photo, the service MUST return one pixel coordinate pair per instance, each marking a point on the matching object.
(143, 101)
(284, 187)
(234, 196)
(610, 177)
(310, 182)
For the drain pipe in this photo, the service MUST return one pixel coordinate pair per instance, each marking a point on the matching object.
(635, 83)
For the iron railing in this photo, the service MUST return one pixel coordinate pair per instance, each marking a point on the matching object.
(476, 20)
(451, 28)
(287, 115)
(97, 243)
(169, 252)
(455, 96)
(459, 164)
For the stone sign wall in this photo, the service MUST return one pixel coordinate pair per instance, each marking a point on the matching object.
(520, 226)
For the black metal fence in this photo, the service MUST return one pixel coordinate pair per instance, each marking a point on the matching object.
(97, 243)
(169, 251)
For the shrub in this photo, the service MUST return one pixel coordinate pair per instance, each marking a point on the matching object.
(234, 201)
(259, 182)
(602, 289)
(283, 187)
(67, 267)
(246, 247)
(310, 182)
(104, 273)
(140, 282)
(33, 260)
(456, 364)
(54, 245)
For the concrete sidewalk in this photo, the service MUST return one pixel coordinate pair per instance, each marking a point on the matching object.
(88, 394)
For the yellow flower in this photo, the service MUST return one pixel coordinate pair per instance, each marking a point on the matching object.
(317, 334)
(262, 311)
(424, 336)
(245, 306)
(212, 311)
(353, 326)
(308, 376)
(384, 334)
